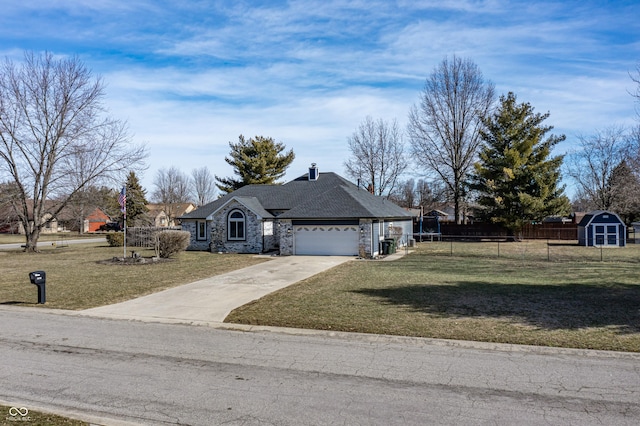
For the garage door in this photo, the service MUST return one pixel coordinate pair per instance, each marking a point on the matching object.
(333, 240)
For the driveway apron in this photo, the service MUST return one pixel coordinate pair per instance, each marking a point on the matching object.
(212, 299)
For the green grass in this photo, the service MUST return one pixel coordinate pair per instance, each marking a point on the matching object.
(575, 300)
(48, 238)
(9, 416)
(78, 277)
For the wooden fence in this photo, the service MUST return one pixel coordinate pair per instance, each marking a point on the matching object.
(543, 231)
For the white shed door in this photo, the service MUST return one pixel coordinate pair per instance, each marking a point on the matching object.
(328, 240)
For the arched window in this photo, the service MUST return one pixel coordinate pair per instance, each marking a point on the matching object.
(236, 225)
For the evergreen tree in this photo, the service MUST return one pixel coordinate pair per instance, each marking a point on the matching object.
(136, 200)
(258, 160)
(516, 178)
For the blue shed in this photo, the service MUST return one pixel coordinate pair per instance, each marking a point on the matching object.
(601, 229)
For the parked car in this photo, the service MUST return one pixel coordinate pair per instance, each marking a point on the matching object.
(110, 226)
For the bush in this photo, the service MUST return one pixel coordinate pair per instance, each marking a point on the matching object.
(116, 239)
(172, 242)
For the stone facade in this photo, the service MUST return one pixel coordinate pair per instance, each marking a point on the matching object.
(286, 237)
(364, 242)
(260, 235)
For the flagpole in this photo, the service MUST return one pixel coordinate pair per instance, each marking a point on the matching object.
(122, 200)
(124, 252)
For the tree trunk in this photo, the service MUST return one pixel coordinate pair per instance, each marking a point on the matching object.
(32, 236)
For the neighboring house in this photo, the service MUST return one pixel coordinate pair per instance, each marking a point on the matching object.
(601, 229)
(10, 220)
(315, 214)
(68, 219)
(163, 215)
(94, 220)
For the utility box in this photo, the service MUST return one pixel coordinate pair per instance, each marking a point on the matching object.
(39, 278)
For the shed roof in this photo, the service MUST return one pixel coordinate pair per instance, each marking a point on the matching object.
(594, 215)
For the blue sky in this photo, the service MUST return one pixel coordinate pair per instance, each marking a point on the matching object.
(191, 76)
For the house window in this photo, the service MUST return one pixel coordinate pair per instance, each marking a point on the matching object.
(236, 225)
(201, 231)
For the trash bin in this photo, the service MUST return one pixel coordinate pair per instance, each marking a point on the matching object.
(392, 245)
(384, 247)
(39, 278)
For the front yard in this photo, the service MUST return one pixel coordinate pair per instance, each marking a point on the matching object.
(470, 291)
(79, 278)
(527, 293)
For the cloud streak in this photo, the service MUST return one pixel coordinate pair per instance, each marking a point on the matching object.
(191, 77)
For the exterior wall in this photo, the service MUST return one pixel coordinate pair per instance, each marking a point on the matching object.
(286, 237)
(217, 237)
(96, 219)
(190, 226)
(270, 235)
(367, 248)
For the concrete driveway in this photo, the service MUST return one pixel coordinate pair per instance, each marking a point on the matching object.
(212, 299)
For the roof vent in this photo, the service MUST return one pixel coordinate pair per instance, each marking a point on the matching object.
(313, 172)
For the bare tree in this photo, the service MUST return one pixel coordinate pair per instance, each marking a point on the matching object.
(405, 194)
(444, 126)
(55, 138)
(377, 155)
(636, 78)
(592, 165)
(204, 188)
(172, 187)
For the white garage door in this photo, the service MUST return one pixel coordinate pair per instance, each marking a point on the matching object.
(333, 240)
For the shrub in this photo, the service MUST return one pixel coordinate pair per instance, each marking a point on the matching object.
(116, 239)
(172, 242)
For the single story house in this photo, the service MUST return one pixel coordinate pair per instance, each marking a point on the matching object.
(165, 215)
(601, 229)
(94, 220)
(315, 214)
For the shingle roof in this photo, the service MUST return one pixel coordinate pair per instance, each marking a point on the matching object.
(329, 197)
(587, 218)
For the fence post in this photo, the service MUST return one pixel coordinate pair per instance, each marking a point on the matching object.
(548, 252)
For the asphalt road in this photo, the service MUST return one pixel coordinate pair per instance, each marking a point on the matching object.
(14, 246)
(126, 371)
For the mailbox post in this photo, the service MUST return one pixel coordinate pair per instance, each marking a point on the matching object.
(39, 278)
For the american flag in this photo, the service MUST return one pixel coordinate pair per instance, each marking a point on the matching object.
(122, 199)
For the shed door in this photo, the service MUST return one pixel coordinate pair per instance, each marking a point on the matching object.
(606, 235)
(328, 240)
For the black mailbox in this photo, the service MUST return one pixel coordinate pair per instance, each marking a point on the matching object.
(39, 278)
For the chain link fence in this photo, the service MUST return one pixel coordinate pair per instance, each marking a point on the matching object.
(525, 250)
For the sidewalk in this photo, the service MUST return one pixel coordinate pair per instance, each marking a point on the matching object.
(212, 299)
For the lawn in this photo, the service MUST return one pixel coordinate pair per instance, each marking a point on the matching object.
(534, 292)
(49, 238)
(81, 276)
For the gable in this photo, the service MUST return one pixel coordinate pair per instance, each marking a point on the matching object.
(599, 216)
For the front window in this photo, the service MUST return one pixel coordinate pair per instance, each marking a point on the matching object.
(201, 230)
(236, 225)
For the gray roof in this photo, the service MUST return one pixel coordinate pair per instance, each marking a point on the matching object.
(589, 217)
(329, 197)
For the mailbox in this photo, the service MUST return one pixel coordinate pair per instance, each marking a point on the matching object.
(39, 278)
